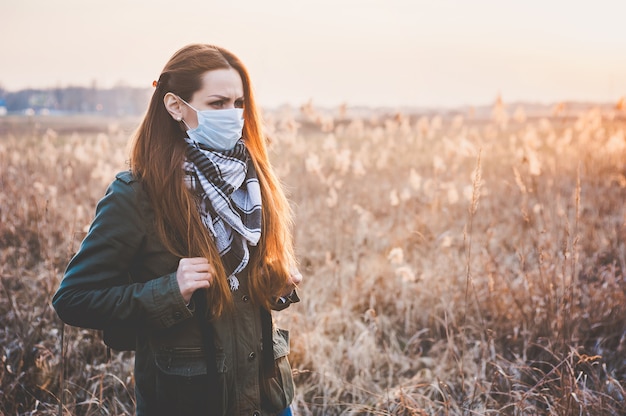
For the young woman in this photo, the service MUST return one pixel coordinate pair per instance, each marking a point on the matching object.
(191, 249)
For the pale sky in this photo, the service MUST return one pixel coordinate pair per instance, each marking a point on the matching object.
(360, 52)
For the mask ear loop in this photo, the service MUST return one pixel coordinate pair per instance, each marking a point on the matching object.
(179, 118)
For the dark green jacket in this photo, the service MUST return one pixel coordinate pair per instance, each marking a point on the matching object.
(123, 281)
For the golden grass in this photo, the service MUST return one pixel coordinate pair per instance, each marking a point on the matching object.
(452, 265)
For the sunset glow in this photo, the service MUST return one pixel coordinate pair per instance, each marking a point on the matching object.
(371, 52)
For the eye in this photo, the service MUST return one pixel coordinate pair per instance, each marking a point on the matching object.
(239, 104)
(217, 104)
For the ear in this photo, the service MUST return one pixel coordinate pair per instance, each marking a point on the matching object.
(173, 106)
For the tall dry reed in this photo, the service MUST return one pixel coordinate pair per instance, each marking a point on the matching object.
(453, 264)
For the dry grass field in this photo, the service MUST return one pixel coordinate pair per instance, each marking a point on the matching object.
(454, 264)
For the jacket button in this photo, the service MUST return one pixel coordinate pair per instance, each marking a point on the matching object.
(245, 298)
(178, 315)
(251, 356)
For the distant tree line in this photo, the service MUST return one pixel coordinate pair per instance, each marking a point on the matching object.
(116, 101)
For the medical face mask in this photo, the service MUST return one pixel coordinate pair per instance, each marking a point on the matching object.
(217, 129)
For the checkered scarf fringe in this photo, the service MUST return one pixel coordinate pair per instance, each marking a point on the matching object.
(229, 201)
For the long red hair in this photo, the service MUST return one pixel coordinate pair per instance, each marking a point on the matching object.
(157, 155)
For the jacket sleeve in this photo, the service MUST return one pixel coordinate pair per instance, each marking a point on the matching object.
(96, 290)
(285, 301)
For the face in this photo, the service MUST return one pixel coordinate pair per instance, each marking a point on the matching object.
(221, 89)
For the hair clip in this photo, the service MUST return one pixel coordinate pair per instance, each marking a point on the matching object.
(155, 83)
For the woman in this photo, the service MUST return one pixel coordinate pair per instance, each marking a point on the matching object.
(191, 249)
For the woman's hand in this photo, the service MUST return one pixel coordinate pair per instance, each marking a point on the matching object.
(192, 274)
(295, 278)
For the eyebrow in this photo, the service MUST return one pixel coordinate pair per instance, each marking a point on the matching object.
(223, 97)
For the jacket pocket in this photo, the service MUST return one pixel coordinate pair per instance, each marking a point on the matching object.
(183, 385)
(181, 361)
(278, 390)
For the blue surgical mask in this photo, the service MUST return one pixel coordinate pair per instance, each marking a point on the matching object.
(217, 129)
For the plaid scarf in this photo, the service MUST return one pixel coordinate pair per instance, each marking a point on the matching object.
(230, 201)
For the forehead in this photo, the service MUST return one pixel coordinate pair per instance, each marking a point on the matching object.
(223, 82)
